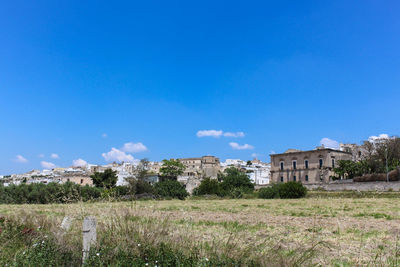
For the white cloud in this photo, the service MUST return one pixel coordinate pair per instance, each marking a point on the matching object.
(237, 134)
(254, 155)
(20, 159)
(329, 143)
(54, 156)
(47, 165)
(134, 147)
(272, 152)
(379, 137)
(104, 135)
(212, 133)
(117, 155)
(236, 146)
(41, 155)
(79, 163)
(218, 133)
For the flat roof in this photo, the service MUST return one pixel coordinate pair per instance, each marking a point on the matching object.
(305, 151)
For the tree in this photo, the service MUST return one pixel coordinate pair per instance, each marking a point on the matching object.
(234, 179)
(106, 179)
(171, 169)
(171, 188)
(249, 163)
(141, 171)
(208, 186)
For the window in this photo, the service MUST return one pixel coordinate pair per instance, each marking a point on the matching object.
(81, 181)
(294, 178)
(306, 178)
(321, 162)
(282, 179)
(68, 180)
(306, 163)
(294, 164)
(281, 165)
(333, 163)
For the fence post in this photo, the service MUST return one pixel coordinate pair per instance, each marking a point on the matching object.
(66, 223)
(89, 236)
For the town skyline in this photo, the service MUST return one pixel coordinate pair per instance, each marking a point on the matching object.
(79, 79)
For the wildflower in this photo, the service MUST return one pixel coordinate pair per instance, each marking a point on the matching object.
(147, 264)
(138, 245)
(97, 254)
(34, 245)
(206, 259)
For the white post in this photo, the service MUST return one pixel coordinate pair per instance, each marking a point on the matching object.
(89, 236)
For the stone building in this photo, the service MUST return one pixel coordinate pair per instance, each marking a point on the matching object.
(77, 179)
(199, 167)
(313, 166)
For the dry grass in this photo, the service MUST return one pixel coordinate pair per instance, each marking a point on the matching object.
(336, 231)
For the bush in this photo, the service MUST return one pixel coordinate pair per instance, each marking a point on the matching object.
(283, 190)
(269, 192)
(208, 187)
(292, 190)
(39, 193)
(234, 179)
(171, 188)
(142, 187)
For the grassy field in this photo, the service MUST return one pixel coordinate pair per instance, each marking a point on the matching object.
(301, 232)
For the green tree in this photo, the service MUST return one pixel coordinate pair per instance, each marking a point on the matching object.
(235, 179)
(171, 188)
(208, 186)
(171, 169)
(106, 179)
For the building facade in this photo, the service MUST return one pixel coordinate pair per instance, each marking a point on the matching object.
(313, 166)
(208, 166)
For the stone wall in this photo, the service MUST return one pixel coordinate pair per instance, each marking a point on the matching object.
(351, 186)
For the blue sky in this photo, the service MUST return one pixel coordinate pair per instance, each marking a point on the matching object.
(284, 73)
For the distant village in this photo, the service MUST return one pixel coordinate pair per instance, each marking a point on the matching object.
(309, 167)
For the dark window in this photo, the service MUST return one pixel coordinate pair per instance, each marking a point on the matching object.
(281, 178)
(333, 163)
(81, 181)
(281, 165)
(306, 178)
(294, 178)
(294, 164)
(320, 163)
(306, 164)
(68, 180)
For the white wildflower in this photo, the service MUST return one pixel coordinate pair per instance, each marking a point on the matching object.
(97, 254)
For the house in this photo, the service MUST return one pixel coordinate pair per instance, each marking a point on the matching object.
(312, 166)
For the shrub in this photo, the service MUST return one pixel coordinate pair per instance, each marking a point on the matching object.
(208, 187)
(234, 178)
(141, 187)
(292, 190)
(171, 188)
(283, 190)
(269, 192)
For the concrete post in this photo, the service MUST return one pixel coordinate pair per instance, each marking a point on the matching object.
(89, 236)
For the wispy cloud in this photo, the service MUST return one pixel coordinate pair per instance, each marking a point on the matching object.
(47, 165)
(41, 155)
(117, 155)
(218, 133)
(20, 159)
(237, 134)
(329, 143)
(134, 147)
(104, 135)
(236, 146)
(79, 163)
(54, 156)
